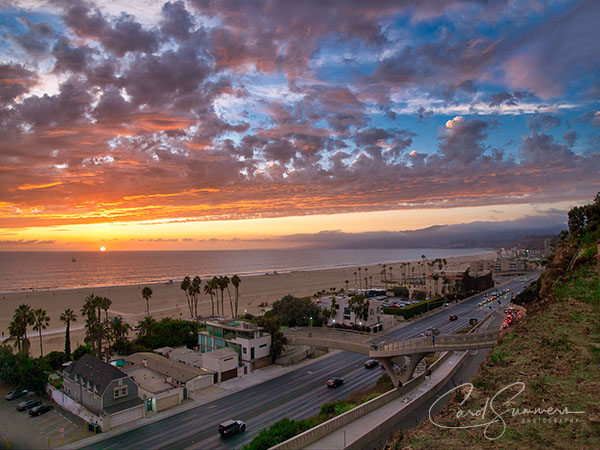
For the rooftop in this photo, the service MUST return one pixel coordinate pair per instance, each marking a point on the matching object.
(180, 372)
(148, 379)
(98, 373)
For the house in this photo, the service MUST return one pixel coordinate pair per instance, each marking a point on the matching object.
(104, 390)
(223, 362)
(186, 381)
(497, 266)
(186, 356)
(251, 342)
(341, 313)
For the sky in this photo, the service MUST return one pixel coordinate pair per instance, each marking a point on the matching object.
(223, 124)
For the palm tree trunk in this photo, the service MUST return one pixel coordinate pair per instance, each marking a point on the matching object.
(67, 342)
(147, 308)
(41, 348)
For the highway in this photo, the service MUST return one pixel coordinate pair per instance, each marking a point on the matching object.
(296, 395)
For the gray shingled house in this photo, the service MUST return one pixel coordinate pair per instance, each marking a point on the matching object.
(104, 390)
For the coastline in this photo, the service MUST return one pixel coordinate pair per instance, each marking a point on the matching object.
(168, 300)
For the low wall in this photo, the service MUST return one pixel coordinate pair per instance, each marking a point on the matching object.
(66, 402)
(314, 434)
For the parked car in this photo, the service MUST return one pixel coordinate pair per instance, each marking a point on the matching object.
(39, 410)
(28, 404)
(370, 363)
(453, 317)
(16, 394)
(334, 382)
(231, 427)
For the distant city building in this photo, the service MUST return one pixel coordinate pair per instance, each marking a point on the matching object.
(252, 343)
(497, 266)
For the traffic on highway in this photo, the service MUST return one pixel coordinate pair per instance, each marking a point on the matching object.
(300, 393)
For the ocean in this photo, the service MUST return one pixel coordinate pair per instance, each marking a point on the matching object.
(66, 270)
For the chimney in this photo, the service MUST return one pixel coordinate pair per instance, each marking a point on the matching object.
(145, 362)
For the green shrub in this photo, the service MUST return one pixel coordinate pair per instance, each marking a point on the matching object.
(55, 360)
(80, 351)
(417, 308)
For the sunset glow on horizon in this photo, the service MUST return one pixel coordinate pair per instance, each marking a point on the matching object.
(227, 125)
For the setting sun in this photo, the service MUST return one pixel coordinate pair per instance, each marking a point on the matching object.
(102, 249)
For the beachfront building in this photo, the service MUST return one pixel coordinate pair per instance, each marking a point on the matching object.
(183, 355)
(341, 313)
(252, 343)
(457, 283)
(104, 390)
(164, 383)
(497, 266)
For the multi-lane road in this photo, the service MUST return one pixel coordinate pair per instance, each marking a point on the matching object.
(297, 394)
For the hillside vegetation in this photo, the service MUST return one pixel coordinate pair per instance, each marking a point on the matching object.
(554, 351)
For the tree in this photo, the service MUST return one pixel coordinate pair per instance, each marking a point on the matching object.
(146, 326)
(67, 317)
(222, 283)
(271, 325)
(292, 311)
(95, 329)
(391, 275)
(346, 282)
(359, 306)
(209, 288)
(40, 322)
(120, 329)
(359, 278)
(194, 291)
(16, 331)
(215, 284)
(147, 294)
(185, 287)
(355, 280)
(23, 317)
(236, 281)
(82, 350)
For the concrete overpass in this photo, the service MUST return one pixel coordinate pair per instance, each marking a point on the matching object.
(385, 349)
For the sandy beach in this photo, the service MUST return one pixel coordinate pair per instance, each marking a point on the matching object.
(169, 300)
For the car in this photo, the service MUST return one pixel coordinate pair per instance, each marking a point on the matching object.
(231, 427)
(453, 317)
(39, 410)
(334, 382)
(12, 395)
(370, 363)
(28, 404)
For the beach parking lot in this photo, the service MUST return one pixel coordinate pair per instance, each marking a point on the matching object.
(19, 430)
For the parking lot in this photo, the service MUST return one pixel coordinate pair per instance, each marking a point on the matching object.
(19, 430)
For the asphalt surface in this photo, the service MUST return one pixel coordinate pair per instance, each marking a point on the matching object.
(296, 395)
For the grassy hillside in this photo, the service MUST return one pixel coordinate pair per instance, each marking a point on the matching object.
(554, 351)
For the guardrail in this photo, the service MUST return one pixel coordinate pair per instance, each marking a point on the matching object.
(329, 333)
(448, 339)
(314, 434)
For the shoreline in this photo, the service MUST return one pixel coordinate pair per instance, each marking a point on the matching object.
(168, 300)
(30, 289)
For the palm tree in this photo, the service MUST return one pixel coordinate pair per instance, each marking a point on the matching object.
(383, 279)
(215, 283)
(186, 283)
(194, 291)
(235, 280)
(24, 316)
(359, 278)
(146, 326)
(147, 294)
(355, 282)
(209, 288)
(67, 317)
(366, 270)
(223, 284)
(120, 329)
(346, 281)
(40, 322)
(391, 277)
(15, 331)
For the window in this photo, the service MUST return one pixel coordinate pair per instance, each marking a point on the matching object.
(262, 346)
(120, 392)
(337, 306)
(244, 350)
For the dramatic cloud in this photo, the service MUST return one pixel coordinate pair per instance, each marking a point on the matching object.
(206, 110)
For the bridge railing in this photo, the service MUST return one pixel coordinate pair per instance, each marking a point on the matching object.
(330, 334)
(448, 339)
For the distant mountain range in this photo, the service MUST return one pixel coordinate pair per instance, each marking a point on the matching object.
(520, 233)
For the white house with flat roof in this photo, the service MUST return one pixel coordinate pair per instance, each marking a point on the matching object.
(251, 342)
(339, 306)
